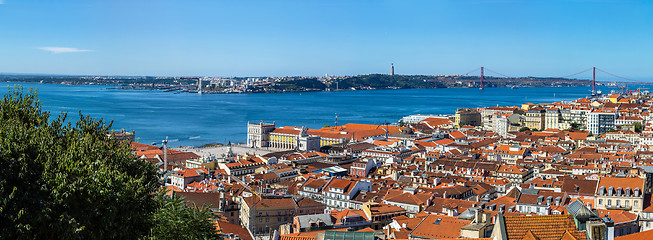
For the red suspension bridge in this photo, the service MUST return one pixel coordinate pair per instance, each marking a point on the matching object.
(593, 69)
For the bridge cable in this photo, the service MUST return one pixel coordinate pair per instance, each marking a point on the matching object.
(571, 75)
(489, 70)
(617, 76)
(475, 69)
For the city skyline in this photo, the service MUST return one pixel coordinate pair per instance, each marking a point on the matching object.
(312, 38)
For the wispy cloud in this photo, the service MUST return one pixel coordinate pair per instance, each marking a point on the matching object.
(62, 49)
(2, 2)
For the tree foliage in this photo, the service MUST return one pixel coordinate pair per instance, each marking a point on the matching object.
(523, 129)
(65, 181)
(384, 81)
(175, 220)
(575, 126)
(638, 127)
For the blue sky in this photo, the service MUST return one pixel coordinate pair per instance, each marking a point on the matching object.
(289, 38)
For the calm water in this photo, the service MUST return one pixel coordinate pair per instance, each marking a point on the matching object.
(192, 119)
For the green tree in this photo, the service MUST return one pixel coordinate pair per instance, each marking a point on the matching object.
(638, 127)
(65, 181)
(175, 220)
(523, 129)
(575, 125)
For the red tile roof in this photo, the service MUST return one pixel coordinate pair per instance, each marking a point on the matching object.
(343, 184)
(551, 227)
(616, 182)
(439, 226)
(637, 236)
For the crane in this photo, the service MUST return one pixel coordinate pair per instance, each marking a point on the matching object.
(639, 91)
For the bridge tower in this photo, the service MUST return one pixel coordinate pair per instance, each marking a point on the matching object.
(594, 81)
(482, 68)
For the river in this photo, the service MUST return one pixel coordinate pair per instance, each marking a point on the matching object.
(193, 120)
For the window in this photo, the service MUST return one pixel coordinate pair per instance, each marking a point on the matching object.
(627, 203)
(618, 203)
(609, 202)
(635, 203)
(600, 201)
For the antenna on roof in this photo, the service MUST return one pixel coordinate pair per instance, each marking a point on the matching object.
(336, 119)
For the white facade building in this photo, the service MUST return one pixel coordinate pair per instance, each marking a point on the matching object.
(258, 134)
(601, 121)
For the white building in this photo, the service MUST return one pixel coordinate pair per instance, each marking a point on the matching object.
(413, 119)
(629, 120)
(258, 134)
(306, 142)
(601, 121)
(500, 125)
(339, 192)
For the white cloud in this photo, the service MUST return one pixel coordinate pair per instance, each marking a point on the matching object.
(62, 49)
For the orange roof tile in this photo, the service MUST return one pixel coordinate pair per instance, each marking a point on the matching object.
(551, 227)
(637, 236)
(616, 182)
(439, 226)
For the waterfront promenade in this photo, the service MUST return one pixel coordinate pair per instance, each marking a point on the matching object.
(217, 151)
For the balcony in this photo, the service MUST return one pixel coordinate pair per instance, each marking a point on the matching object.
(619, 208)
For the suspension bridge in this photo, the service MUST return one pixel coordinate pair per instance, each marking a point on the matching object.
(482, 71)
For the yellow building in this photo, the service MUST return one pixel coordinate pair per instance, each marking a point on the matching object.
(535, 118)
(330, 141)
(467, 117)
(527, 106)
(284, 138)
(614, 98)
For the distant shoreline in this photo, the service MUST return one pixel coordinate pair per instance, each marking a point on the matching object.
(212, 85)
(179, 91)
